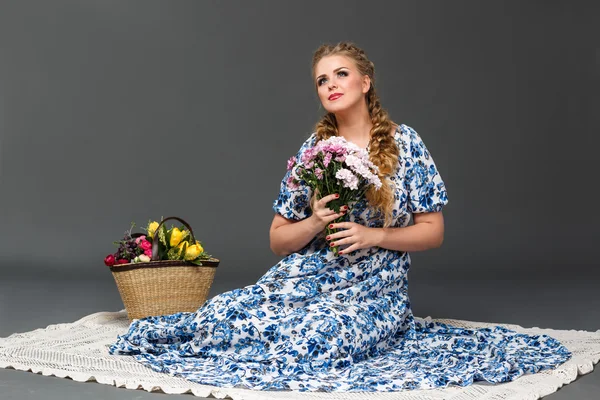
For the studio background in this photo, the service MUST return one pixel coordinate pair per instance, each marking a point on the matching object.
(121, 111)
(113, 112)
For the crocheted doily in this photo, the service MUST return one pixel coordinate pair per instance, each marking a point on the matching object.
(79, 350)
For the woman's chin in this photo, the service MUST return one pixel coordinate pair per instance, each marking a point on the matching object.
(336, 109)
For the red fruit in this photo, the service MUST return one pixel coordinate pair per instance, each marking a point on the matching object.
(122, 261)
(109, 260)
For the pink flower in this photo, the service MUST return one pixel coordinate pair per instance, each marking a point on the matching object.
(145, 245)
(319, 173)
(139, 239)
(336, 148)
(148, 252)
(308, 155)
(291, 162)
(327, 159)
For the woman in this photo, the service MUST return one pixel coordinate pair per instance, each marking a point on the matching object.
(320, 322)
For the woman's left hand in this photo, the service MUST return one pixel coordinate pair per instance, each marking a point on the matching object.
(353, 234)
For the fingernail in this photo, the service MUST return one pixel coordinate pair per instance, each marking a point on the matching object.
(337, 195)
(331, 245)
(331, 226)
(328, 237)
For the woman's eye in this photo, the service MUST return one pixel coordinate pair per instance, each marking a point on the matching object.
(320, 81)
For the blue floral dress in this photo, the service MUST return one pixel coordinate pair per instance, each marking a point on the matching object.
(317, 322)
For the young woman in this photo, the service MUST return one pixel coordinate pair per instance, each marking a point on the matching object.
(317, 321)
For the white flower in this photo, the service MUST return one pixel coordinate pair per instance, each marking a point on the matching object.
(374, 180)
(353, 161)
(348, 179)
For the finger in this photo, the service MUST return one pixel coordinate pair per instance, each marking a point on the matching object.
(330, 212)
(333, 217)
(342, 225)
(340, 242)
(349, 249)
(317, 204)
(338, 214)
(328, 198)
(317, 193)
(336, 237)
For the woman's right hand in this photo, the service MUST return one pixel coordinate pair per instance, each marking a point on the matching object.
(321, 213)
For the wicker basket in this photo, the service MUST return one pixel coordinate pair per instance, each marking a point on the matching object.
(162, 287)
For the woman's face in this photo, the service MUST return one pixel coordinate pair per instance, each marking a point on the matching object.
(339, 84)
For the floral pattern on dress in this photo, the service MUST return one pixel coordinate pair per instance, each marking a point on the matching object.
(320, 322)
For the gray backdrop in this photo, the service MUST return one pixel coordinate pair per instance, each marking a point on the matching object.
(120, 111)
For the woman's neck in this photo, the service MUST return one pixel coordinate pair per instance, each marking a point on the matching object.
(357, 130)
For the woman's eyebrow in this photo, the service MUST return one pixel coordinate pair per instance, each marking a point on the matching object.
(334, 71)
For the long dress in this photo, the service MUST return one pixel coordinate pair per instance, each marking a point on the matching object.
(320, 322)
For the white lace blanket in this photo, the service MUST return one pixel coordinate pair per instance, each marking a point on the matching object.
(79, 350)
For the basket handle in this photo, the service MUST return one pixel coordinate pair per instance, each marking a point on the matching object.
(155, 242)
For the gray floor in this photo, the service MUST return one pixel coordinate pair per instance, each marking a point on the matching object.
(563, 303)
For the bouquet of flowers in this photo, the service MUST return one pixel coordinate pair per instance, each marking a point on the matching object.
(334, 166)
(173, 244)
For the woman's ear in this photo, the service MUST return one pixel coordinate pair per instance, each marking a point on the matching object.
(366, 84)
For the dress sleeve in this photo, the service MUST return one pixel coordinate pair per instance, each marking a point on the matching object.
(426, 191)
(295, 203)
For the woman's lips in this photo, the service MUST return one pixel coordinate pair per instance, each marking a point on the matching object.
(335, 96)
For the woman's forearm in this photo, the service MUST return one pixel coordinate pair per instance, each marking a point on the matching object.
(290, 238)
(417, 237)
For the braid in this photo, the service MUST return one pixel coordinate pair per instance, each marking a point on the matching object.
(383, 150)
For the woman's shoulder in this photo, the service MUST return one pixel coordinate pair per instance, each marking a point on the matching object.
(407, 131)
(406, 138)
(403, 130)
(307, 143)
(405, 135)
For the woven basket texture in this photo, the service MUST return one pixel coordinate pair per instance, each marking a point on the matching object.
(163, 287)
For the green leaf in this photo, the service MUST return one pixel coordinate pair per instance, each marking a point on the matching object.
(173, 253)
(186, 234)
(168, 237)
(183, 249)
(197, 262)
(162, 234)
(162, 252)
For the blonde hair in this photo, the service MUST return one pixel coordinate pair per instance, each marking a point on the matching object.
(383, 150)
